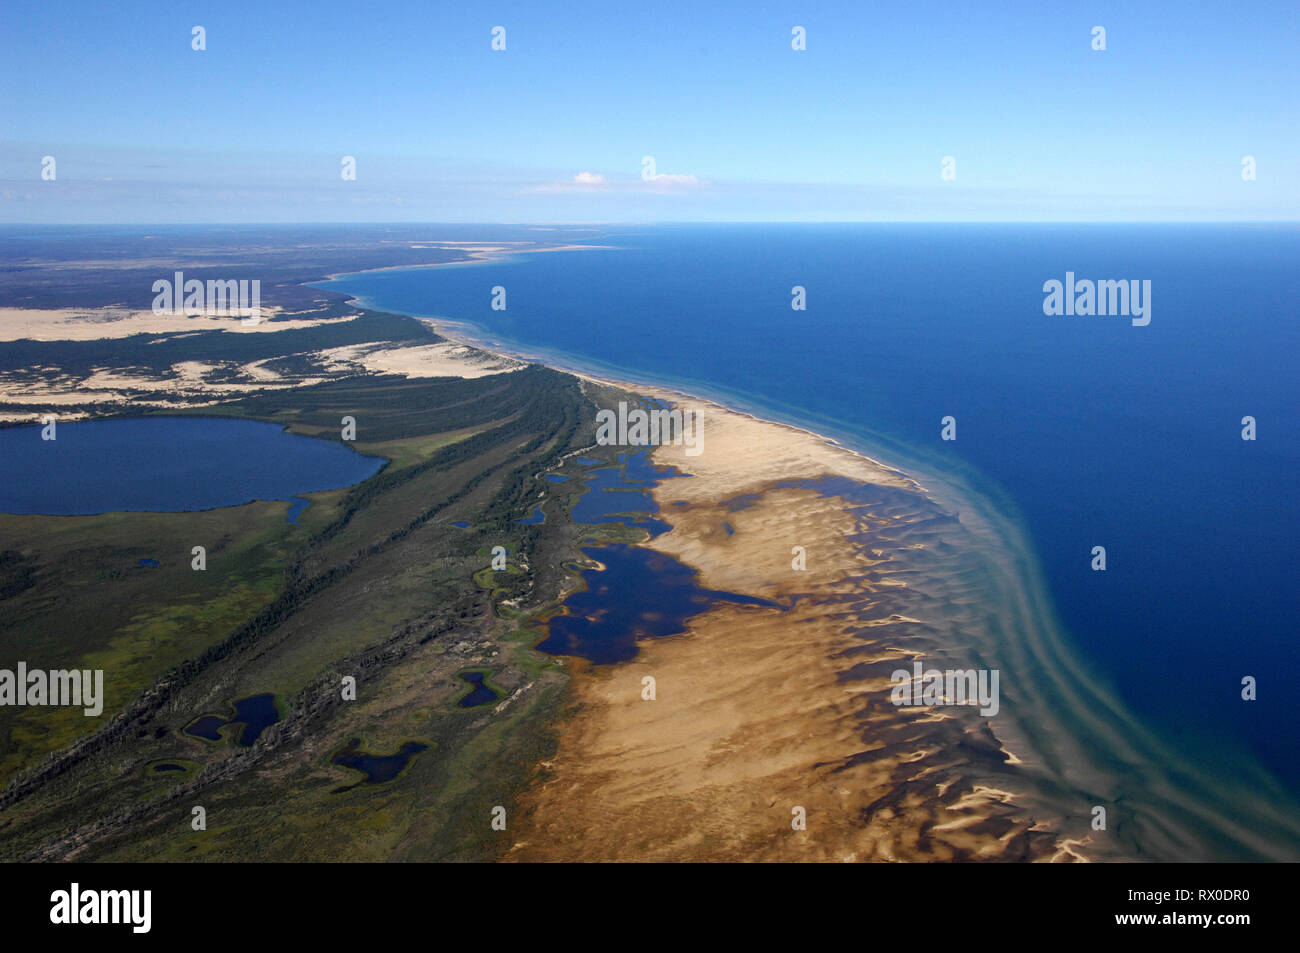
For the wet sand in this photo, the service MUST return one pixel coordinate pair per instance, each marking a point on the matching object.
(760, 712)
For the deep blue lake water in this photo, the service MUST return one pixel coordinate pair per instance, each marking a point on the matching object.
(640, 594)
(1086, 430)
(622, 494)
(479, 693)
(255, 713)
(168, 464)
(377, 768)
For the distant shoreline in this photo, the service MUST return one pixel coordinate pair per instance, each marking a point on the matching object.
(496, 251)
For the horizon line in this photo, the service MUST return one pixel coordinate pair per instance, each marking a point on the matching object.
(614, 224)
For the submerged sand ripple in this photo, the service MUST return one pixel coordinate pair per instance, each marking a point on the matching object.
(761, 711)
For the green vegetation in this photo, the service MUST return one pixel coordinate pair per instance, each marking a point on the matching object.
(372, 583)
(87, 603)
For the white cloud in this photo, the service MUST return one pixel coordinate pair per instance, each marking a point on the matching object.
(587, 181)
(673, 179)
(581, 182)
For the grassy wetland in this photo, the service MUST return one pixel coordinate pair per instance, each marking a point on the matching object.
(390, 582)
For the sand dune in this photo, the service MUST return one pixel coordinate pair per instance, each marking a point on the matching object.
(193, 383)
(90, 324)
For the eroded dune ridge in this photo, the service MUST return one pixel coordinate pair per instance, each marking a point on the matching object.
(766, 716)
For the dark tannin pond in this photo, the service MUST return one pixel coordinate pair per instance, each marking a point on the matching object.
(480, 694)
(621, 494)
(168, 465)
(256, 714)
(378, 768)
(640, 594)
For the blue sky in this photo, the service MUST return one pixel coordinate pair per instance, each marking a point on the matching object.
(742, 127)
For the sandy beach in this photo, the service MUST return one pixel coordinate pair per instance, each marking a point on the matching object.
(475, 253)
(773, 735)
(763, 715)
